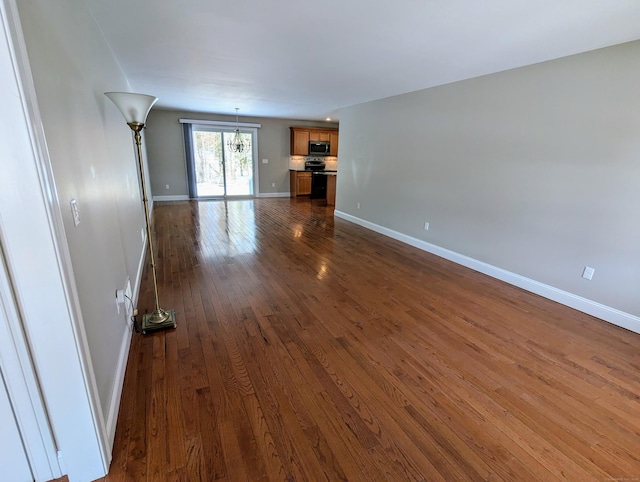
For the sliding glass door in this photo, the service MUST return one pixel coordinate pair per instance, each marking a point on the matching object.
(217, 171)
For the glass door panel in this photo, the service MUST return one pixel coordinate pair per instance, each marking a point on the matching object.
(239, 167)
(209, 163)
(218, 171)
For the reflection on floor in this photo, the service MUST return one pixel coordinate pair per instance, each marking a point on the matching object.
(309, 348)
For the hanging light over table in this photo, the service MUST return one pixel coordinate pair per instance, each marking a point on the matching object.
(236, 144)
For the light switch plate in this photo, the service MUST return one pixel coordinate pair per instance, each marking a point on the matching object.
(74, 212)
(588, 272)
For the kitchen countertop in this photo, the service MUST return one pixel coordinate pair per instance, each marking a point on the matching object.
(324, 171)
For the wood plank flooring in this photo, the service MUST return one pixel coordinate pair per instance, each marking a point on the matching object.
(311, 349)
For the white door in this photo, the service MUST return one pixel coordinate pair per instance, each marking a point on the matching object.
(13, 459)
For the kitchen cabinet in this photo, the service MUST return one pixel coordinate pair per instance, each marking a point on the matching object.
(300, 141)
(300, 183)
(333, 140)
(331, 190)
(320, 136)
(300, 137)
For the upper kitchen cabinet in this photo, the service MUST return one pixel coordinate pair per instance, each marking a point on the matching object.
(319, 136)
(300, 137)
(299, 141)
(333, 143)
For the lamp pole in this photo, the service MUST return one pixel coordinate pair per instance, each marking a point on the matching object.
(135, 108)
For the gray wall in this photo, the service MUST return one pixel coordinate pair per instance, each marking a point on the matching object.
(165, 146)
(534, 170)
(93, 161)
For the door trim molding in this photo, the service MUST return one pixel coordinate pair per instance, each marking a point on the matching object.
(23, 387)
(219, 123)
(71, 395)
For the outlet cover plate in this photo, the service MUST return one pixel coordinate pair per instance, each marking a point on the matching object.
(588, 272)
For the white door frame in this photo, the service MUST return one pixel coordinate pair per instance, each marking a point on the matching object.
(13, 457)
(49, 367)
(228, 127)
(23, 388)
(223, 128)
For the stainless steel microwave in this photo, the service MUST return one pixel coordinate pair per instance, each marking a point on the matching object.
(319, 148)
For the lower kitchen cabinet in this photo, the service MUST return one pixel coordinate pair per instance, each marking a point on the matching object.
(300, 183)
(331, 190)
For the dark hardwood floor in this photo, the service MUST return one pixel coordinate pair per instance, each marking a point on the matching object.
(312, 349)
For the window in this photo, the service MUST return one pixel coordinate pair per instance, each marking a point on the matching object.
(213, 169)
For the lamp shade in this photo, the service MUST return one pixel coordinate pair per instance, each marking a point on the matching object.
(134, 107)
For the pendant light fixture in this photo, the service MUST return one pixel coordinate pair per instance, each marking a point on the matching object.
(235, 143)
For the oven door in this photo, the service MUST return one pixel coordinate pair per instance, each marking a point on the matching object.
(318, 185)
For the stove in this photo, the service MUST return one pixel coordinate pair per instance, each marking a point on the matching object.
(314, 165)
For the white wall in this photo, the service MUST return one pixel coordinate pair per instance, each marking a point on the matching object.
(93, 160)
(534, 170)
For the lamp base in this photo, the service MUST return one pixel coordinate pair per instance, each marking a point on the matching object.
(158, 320)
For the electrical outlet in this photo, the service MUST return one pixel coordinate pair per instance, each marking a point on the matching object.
(123, 297)
(588, 272)
(265, 161)
(166, 186)
(128, 306)
(426, 226)
(358, 205)
(119, 299)
(273, 184)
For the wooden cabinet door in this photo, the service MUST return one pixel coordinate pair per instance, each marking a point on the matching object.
(293, 183)
(299, 142)
(300, 183)
(331, 190)
(333, 139)
(304, 183)
(300, 138)
(318, 135)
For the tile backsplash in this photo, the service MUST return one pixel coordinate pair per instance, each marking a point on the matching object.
(297, 162)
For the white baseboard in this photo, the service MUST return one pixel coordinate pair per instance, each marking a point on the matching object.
(274, 194)
(593, 308)
(123, 356)
(186, 198)
(114, 405)
(179, 197)
(63, 468)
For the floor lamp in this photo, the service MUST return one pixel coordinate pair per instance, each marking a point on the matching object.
(134, 108)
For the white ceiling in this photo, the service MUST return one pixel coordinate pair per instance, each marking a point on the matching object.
(303, 59)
